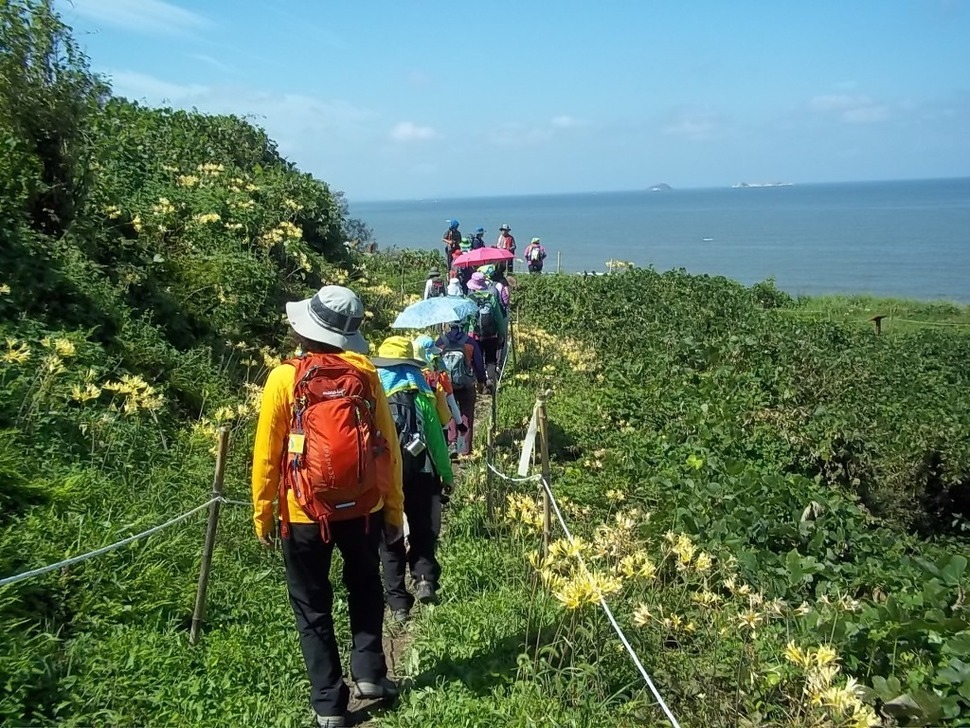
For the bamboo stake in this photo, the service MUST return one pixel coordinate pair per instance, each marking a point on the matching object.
(210, 535)
(546, 507)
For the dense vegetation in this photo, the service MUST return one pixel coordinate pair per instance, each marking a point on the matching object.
(775, 506)
(145, 256)
(765, 491)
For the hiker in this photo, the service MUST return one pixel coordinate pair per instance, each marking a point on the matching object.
(464, 272)
(506, 242)
(534, 255)
(493, 277)
(434, 373)
(434, 286)
(454, 285)
(451, 239)
(478, 239)
(461, 358)
(489, 324)
(426, 472)
(336, 477)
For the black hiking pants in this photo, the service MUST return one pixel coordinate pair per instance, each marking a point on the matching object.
(422, 494)
(490, 349)
(307, 560)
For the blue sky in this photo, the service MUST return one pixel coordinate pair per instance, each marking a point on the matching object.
(402, 99)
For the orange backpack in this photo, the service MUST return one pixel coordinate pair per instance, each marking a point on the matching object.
(330, 460)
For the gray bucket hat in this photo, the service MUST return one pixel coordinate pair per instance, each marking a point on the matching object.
(332, 316)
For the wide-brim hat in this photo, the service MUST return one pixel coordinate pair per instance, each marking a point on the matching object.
(505, 227)
(535, 240)
(396, 350)
(333, 316)
(477, 282)
(424, 347)
(434, 273)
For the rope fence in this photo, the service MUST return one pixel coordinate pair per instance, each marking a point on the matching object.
(606, 609)
(539, 425)
(6, 581)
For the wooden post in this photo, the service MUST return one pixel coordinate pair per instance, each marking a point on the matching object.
(877, 320)
(544, 449)
(210, 535)
(558, 261)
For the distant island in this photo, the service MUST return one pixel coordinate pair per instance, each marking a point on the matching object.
(742, 185)
(662, 187)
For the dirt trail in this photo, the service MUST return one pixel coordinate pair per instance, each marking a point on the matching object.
(397, 638)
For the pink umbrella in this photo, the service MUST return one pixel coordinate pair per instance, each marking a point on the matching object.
(482, 256)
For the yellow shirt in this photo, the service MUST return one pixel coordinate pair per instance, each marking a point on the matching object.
(275, 415)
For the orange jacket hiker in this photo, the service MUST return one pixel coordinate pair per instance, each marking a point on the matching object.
(272, 436)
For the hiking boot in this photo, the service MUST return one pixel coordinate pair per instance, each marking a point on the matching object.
(425, 592)
(383, 690)
(331, 721)
(401, 615)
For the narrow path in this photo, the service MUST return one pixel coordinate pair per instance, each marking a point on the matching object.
(397, 638)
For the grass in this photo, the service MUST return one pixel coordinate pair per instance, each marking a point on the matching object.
(901, 315)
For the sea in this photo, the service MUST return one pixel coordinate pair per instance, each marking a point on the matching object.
(908, 239)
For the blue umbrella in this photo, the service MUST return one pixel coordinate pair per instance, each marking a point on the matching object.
(434, 311)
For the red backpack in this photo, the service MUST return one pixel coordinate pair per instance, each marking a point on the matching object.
(330, 459)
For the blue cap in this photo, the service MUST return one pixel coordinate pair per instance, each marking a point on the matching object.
(452, 224)
(479, 230)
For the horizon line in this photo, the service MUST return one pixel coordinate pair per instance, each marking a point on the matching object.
(768, 185)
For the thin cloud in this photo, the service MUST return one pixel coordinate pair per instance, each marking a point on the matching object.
(850, 109)
(143, 87)
(210, 61)
(407, 131)
(149, 16)
(297, 121)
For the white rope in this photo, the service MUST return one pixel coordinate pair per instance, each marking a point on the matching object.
(609, 613)
(235, 502)
(98, 552)
(509, 478)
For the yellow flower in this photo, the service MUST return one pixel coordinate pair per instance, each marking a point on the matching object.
(136, 223)
(803, 609)
(224, 413)
(113, 212)
(703, 562)
(4, 289)
(864, 716)
(17, 352)
(89, 392)
(826, 655)
(53, 364)
(750, 619)
(796, 655)
(63, 347)
(641, 615)
(617, 496)
(706, 598)
(204, 218)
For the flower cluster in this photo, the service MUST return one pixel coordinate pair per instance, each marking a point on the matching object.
(164, 206)
(206, 218)
(821, 670)
(523, 509)
(211, 169)
(137, 393)
(282, 233)
(17, 352)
